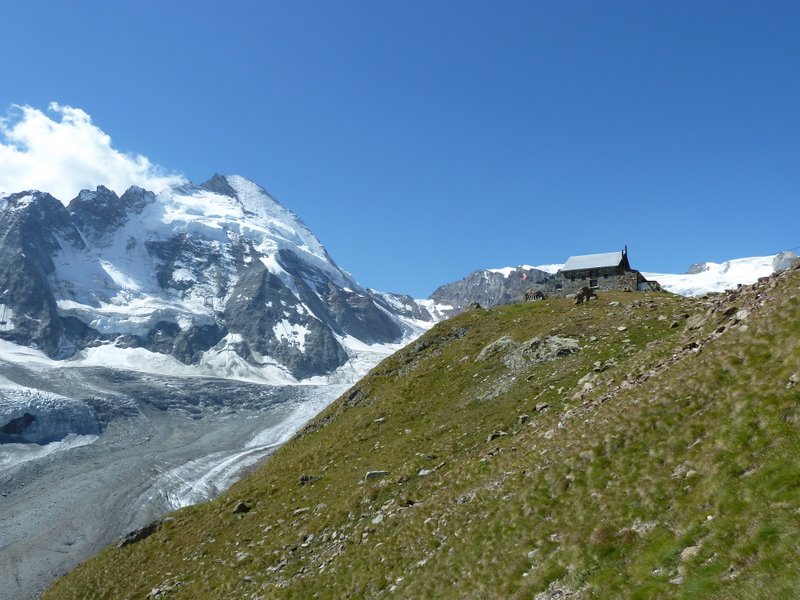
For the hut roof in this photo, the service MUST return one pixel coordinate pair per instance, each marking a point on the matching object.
(594, 261)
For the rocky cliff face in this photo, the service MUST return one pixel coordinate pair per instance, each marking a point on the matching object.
(493, 287)
(219, 273)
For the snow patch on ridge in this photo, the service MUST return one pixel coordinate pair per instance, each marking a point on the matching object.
(716, 277)
(293, 333)
(506, 271)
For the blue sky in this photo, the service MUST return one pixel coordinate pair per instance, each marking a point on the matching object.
(423, 140)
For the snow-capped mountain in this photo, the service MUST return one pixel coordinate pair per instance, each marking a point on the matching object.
(218, 276)
(494, 287)
(705, 277)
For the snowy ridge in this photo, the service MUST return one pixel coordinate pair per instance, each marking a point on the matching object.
(217, 279)
(716, 277)
(113, 287)
(507, 271)
(712, 277)
(285, 228)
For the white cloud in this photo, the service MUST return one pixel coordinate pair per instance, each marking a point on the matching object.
(67, 154)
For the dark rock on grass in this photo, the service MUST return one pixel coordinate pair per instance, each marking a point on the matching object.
(306, 479)
(138, 535)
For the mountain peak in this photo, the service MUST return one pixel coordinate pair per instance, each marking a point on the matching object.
(219, 185)
(221, 277)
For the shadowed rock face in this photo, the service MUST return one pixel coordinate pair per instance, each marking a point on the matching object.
(18, 425)
(100, 213)
(221, 267)
(270, 320)
(34, 227)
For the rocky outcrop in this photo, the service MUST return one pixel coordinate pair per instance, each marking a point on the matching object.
(33, 227)
(783, 260)
(137, 535)
(98, 214)
(273, 322)
(491, 288)
(519, 356)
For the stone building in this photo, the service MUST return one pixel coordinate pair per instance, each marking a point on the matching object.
(608, 271)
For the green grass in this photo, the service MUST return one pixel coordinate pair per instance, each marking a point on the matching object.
(600, 493)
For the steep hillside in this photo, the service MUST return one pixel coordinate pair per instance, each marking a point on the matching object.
(639, 446)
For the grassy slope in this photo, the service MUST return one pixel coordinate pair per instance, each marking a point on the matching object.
(675, 476)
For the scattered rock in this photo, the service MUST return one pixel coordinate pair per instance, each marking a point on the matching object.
(643, 527)
(731, 574)
(495, 434)
(306, 479)
(501, 345)
(466, 498)
(522, 419)
(794, 378)
(138, 535)
(162, 590)
(689, 553)
(600, 367)
(696, 321)
(558, 591)
(536, 350)
(541, 406)
(241, 507)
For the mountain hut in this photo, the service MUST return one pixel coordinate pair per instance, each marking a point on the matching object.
(608, 271)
